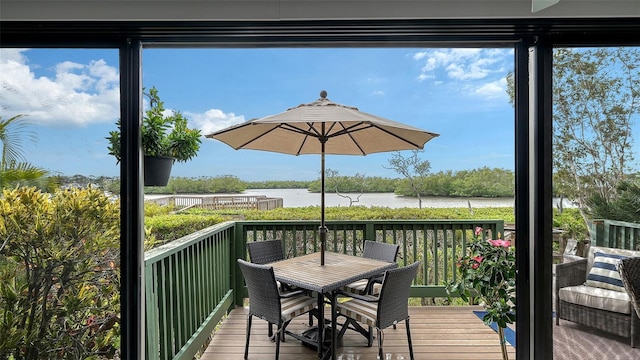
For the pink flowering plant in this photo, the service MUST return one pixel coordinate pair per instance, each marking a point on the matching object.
(488, 273)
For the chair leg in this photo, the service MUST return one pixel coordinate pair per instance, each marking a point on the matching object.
(343, 329)
(380, 340)
(278, 330)
(284, 329)
(633, 332)
(370, 337)
(409, 339)
(246, 345)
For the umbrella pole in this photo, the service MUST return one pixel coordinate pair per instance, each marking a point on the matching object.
(323, 228)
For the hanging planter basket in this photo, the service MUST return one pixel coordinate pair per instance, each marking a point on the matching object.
(157, 170)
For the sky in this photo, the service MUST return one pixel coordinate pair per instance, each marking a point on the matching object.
(70, 99)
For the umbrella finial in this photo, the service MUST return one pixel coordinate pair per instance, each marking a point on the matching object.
(323, 94)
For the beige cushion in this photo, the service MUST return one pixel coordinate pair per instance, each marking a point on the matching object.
(359, 310)
(603, 299)
(296, 306)
(357, 287)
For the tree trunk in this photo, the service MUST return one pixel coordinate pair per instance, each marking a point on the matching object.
(503, 343)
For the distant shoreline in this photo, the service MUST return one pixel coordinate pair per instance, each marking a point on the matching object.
(304, 198)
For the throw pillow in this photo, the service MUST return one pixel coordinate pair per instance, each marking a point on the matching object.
(604, 273)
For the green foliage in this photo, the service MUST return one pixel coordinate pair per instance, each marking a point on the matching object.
(161, 229)
(596, 99)
(571, 222)
(280, 184)
(596, 102)
(107, 183)
(373, 213)
(438, 184)
(481, 182)
(414, 171)
(162, 135)
(488, 272)
(59, 264)
(484, 182)
(152, 209)
(624, 207)
(14, 169)
(355, 184)
(228, 184)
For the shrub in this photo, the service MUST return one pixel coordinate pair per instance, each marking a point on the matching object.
(59, 274)
(161, 229)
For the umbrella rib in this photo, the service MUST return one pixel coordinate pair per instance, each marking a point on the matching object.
(397, 136)
(298, 130)
(306, 133)
(347, 131)
(330, 128)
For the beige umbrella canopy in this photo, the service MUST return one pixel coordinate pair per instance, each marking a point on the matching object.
(323, 127)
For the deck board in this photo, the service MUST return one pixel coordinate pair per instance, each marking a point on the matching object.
(437, 333)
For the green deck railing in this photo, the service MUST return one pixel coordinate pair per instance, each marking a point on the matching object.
(615, 234)
(187, 291)
(191, 282)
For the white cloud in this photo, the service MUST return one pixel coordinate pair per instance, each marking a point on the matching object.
(423, 77)
(430, 65)
(493, 90)
(78, 94)
(464, 68)
(419, 55)
(378, 92)
(213, 120)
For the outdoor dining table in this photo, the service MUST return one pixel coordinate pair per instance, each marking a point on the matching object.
(339, 269)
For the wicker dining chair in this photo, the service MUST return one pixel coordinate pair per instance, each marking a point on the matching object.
(629, 269)
(264, 252)
(269, 304)
(378, 251)
(388, 308)
(268, 251)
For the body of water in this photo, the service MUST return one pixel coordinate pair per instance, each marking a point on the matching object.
(302, 198)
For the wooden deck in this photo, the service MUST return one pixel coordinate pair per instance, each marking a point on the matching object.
(437, 333)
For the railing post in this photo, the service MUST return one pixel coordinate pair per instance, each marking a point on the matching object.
(151, 314)
(238, 252)
(369, 232)
(597, 233)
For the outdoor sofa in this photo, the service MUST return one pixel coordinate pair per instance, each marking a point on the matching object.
(594, 295)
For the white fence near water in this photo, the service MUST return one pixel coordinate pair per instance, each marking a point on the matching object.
(214, 202)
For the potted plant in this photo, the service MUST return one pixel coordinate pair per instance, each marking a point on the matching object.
(488, 272)
(165, 139)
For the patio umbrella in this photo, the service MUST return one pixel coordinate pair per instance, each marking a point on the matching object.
(323, 127)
